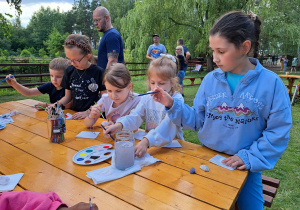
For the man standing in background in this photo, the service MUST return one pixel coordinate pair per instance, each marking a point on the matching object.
(111, 45)
(155, 49)
(186, 52)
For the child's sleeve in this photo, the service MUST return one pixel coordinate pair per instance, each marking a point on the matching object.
(136, 117)
(30, 200)
(188, 117)
(264, 153)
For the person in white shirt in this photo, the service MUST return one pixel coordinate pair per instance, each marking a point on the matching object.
(162, 72)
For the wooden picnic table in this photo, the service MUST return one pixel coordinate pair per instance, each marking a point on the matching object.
(291, 79)
(25, 148)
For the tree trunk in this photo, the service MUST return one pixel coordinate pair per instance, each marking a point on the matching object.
(210, 63)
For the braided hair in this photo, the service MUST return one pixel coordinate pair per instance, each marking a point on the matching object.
(80, 41)
(238, 27)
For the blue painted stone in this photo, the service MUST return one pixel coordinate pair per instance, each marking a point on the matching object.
(192, 170)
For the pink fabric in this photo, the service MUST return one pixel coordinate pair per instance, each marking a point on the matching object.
(27, 200)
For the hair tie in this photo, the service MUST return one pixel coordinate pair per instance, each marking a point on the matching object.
(169, 56)
(252, 16)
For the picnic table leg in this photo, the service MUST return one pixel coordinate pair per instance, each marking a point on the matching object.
(192, 81)
(291, 83)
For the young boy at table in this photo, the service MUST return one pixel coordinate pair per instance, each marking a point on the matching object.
(57, 69)
(241, 108)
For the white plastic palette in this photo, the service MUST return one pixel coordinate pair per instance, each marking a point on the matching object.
(94, 154)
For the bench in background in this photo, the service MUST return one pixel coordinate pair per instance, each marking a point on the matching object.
(193, 80)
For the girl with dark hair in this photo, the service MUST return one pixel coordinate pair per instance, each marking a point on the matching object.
(242, 108)
(83, 80)
(119, 99)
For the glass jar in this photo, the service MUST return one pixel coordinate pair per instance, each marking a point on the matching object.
(124, 149)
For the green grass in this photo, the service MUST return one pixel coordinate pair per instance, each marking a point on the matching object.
(287, 169)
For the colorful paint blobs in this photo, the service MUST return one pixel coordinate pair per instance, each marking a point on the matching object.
(94, 154)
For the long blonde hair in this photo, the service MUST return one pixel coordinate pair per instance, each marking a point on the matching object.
(166, 69)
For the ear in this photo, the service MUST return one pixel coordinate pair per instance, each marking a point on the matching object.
(89, 56)
(246, 47)
(130, 86)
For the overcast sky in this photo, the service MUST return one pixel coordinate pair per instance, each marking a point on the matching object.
(28, 7)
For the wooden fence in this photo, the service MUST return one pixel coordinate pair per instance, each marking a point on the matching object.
(136, 69)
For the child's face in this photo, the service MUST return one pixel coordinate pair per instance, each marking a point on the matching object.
(118, 95)
(56, 77)
(78, 60)
(155, 81)
(226, 55)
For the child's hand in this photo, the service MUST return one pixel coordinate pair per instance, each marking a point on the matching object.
(95, 111)
(80, 115)
(235, 161)
(80, 206)
(11, 80)
(141, 148)
(112, 129)
(163, 97)
(45, 105)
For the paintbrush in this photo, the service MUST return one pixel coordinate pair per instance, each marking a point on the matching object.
(109, 133)
(41, 107)
(100, 112)
(91, 207)
(7, 78)
(146, 93)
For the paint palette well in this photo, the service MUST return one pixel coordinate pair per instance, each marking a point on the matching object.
(94, 154)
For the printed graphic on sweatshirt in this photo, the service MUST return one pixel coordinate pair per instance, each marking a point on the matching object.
(232, 116)
(238, 111)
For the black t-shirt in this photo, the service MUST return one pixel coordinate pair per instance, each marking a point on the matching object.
(181, 62)
(84, 85)
(54, 94)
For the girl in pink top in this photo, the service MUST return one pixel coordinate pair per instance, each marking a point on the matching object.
(119, 99)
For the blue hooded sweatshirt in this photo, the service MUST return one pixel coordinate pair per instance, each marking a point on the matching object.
(253, 123)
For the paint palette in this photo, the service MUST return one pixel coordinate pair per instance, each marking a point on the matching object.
(94, 154)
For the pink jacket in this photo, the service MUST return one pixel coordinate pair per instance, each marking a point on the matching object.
(27, 200)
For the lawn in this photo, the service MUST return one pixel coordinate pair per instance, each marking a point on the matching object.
(287, 169)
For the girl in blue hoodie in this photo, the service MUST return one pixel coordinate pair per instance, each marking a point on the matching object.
(241, 108)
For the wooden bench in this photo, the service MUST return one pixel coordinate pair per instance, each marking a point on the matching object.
(270, 186)
(193, 79)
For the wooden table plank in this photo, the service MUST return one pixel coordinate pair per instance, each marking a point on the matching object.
(40, 147)
(42, 177)
(176, 165)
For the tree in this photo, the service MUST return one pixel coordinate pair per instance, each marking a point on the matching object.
(171, 19)
(83, 11)
(4, 23)
(41, 25)
(55, 42)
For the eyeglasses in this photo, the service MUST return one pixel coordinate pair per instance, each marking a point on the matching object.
(75, 61)
(178, 49)
(97, 21)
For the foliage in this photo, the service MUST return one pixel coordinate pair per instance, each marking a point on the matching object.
(84, 24)
(171, 19)
(4, 23)
(42, 52)
(55, 42)
(41, 25)
(25, 53)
